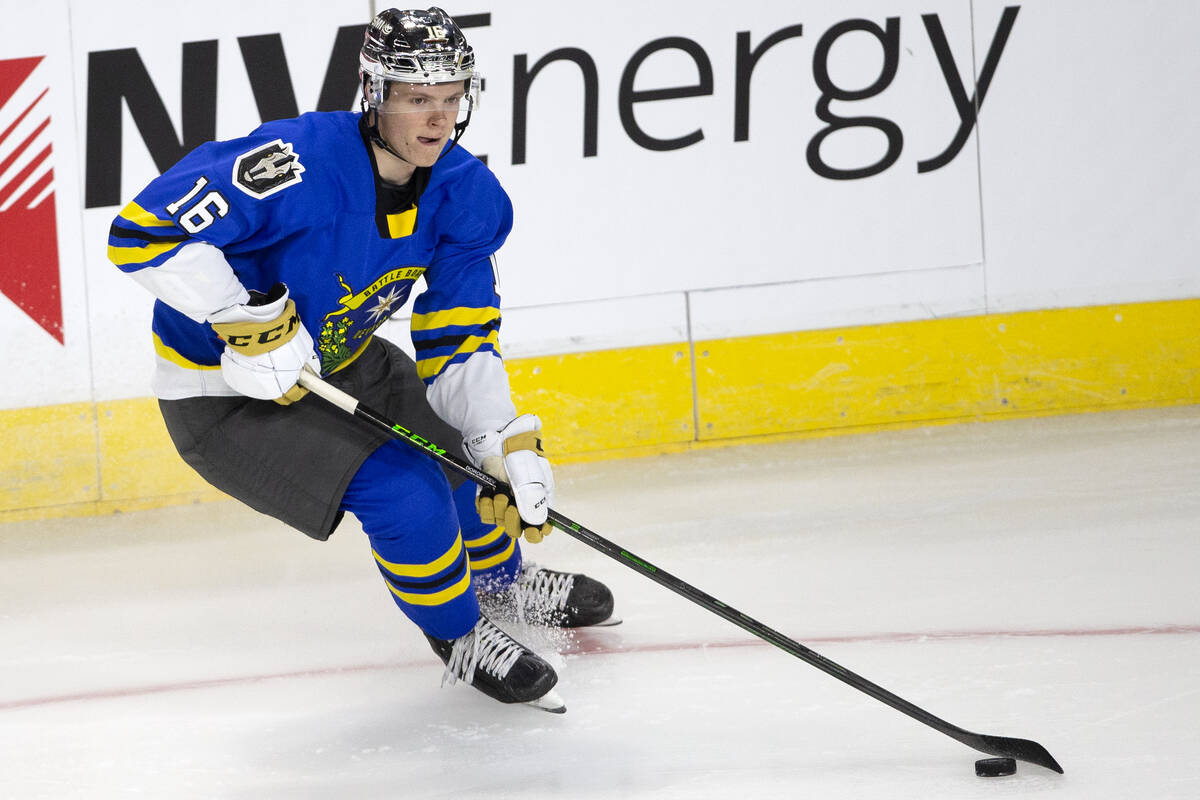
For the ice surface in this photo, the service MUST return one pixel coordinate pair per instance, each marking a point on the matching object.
(1030, 578)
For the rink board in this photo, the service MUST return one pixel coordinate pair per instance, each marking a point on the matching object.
(81, 459)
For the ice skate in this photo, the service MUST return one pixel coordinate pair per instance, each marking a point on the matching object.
(543, 596)
(499, 666)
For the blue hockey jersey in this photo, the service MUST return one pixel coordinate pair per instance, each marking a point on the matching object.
(295, 202)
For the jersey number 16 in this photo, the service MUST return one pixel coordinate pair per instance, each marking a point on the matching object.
(203, 212)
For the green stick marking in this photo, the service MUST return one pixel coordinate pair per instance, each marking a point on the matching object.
(631, 557)
(420, 440)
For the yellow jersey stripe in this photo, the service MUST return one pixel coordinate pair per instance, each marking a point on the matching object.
(422, 570)
(454, 316)
(487, 538)
(140, 216)
(168, 354)
(499, 558)
(429, 367)
(437, 598)
(139, 255)
(402, 224)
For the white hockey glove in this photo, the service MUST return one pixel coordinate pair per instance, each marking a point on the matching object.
(266, 346)
(514, 455)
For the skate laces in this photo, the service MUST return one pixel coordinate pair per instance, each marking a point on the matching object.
(487, 648)
(542, 589)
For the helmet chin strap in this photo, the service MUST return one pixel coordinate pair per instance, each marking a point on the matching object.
(376, 137)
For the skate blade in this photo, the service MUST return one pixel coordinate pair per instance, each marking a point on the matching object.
(607, 623)
(550, 701)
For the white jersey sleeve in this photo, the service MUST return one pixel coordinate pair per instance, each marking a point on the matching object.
(196, 281)
(473, 395)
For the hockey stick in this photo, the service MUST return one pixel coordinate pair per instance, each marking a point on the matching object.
(1020, 749)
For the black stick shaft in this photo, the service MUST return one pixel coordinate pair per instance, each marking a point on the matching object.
(1021, 749)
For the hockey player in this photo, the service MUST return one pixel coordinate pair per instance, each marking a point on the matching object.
(286, 250)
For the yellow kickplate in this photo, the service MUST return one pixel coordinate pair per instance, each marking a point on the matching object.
(83, 458)
(49, 456)
(608, 398)
(1020, 364)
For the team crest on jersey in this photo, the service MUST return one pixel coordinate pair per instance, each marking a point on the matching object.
(267, 170)
(359, 313)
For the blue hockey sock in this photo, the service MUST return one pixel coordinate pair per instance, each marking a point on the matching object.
(404, 504)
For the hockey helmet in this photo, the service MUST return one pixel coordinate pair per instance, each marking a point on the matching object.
(415, 47)
(421, 47)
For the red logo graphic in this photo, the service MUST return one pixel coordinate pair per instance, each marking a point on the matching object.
(29, 273)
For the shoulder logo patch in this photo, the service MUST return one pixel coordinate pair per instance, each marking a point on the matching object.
(267, 170)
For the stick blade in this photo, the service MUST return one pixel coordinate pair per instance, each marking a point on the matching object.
(1020, 749)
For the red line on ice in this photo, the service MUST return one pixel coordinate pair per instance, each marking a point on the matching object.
(590, 643)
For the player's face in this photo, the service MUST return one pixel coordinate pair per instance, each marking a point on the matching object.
(417, 121)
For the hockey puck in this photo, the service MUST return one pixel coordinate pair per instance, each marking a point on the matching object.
(995, 767)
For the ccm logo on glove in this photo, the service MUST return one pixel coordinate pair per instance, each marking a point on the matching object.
(266, 346)
(253, 339)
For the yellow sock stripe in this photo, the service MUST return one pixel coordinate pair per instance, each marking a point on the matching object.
(423, 570)
(499, 558)
(168, 354)
(429, 367)
(437, 598)
(489, 537)
(460, 317)
(140, 216)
